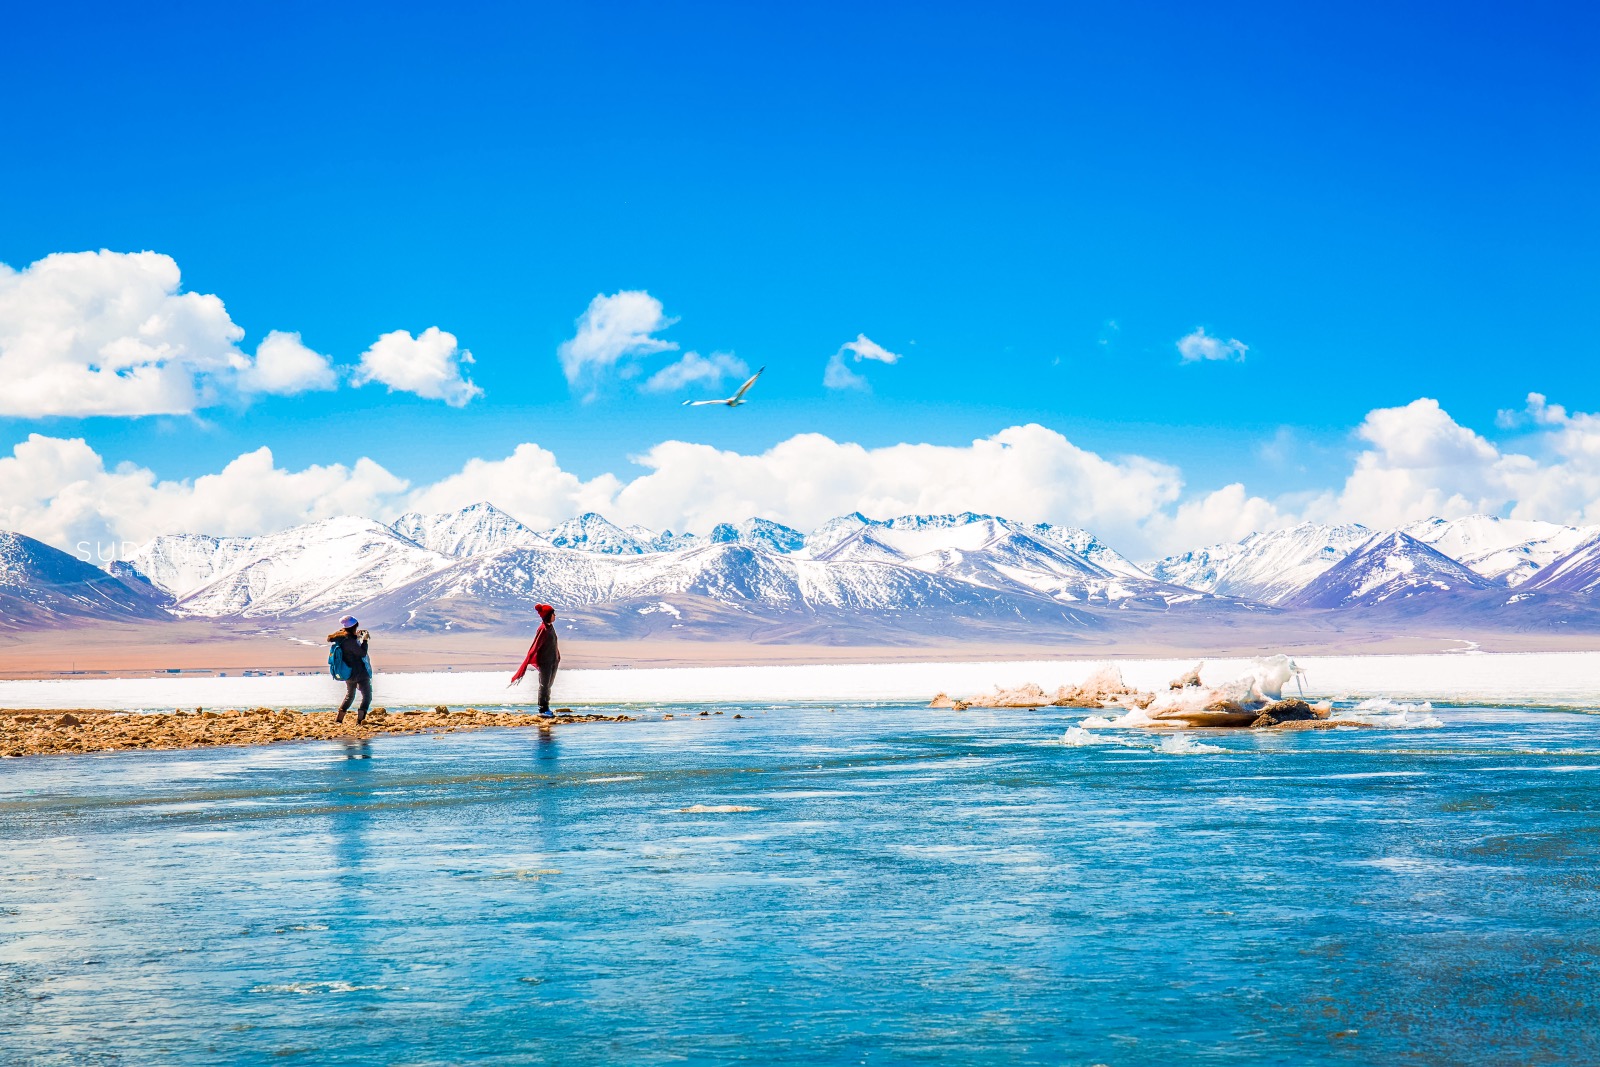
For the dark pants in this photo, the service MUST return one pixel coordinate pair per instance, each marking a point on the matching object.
(363, 683)
(547, 678)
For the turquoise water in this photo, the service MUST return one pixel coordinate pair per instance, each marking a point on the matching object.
(908, 888)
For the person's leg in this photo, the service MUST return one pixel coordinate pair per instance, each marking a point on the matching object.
(349, 695)
(366, 699)
(546, 680)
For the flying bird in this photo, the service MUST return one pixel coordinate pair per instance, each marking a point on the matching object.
(733, 401)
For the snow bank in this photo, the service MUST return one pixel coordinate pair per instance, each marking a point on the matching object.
(1563, 679)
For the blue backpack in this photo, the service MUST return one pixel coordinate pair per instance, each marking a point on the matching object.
(339, 668)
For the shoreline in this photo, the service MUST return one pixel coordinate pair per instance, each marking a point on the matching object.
(1548, 679)
(188, 650)
(91, 731)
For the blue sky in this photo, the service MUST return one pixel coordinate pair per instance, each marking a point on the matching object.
(1031, 204)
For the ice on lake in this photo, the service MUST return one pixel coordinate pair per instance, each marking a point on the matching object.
(1551, 679)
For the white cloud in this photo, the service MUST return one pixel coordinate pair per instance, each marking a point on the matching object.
(837, 375)
(1026, 472)
(613, 329)
(1421, 462)
(431, 365)
(111, 333)
(59, 490)
(1415, 461)
(529, 484)
(284, 367)
(695, 369)
(1200, 345)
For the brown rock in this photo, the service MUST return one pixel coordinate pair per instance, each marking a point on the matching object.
(1290, 710)
(69, 719)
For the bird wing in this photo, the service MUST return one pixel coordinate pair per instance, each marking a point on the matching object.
(747, 385)
(701, 403)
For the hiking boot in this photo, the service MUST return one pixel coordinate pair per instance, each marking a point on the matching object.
(361, 717)
(339, 717)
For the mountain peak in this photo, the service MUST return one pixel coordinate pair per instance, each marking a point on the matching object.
(592, 532)
(474, 530)
(1389, 567)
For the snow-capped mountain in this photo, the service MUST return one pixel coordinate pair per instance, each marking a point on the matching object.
(926, 529)
(665, 541)
(178, 564)
(1389, 568)
(1576, 572)
(833, 532)
(922, 574)
(998, 554)
(1509, 551)
(1269, 567)
(40, 585)
(724, 584)
(759, 533)
(323, 566)
(593, 533)
(475, 530)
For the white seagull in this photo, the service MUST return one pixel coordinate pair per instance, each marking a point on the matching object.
(733, 401)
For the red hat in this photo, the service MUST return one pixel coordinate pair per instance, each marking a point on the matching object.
(545, 610)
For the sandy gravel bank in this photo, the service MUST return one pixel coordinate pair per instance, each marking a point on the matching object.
(26, 732)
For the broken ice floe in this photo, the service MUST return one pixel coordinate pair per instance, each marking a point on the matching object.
(1254, 699)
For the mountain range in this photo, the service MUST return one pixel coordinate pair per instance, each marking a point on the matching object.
(853, 579)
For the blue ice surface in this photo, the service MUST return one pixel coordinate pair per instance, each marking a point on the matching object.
(910, 886)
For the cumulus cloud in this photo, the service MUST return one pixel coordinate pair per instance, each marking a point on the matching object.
(1414, 461)
(1199, 345)
(695, 369)
(60, 491)
(432, 365)
(1418, 461)
(285, 367)
(1026, 472)
(838, 375)
(613, 330)
(529, 484)
(111, 333)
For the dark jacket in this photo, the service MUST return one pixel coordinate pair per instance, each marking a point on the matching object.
(354, 650)
(545, 653)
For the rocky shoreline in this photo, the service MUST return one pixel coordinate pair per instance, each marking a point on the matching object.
(34, 732)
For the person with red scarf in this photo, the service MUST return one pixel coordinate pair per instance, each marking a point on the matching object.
(544, 656)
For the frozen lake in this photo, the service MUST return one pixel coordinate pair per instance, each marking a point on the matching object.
(1568, 679)
(876, 884)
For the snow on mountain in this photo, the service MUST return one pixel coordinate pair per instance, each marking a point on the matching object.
(1390, 567)
(327, 566)
(473, 531)
(665, 541)
(593, 533)
(1268, 567)
(1090, 547)
(995, 553)
(927, 527)
(754, 583)
(178, 564)
(41, 585)
(833, 532)
(1576, 572)
(1509, 551)
(759, 533)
